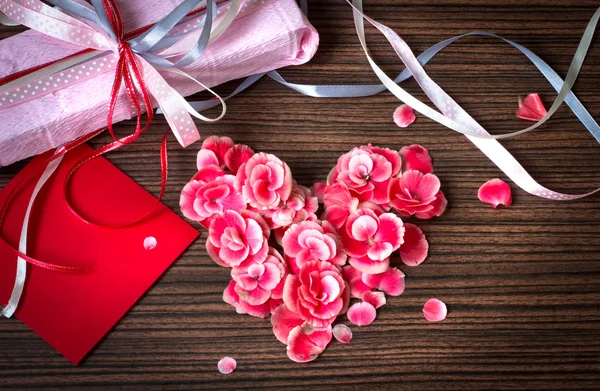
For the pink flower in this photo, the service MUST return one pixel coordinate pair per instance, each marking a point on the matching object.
(416, 157)
(318, 293)
(414, 192)
(415, 247)
(199, 202)
(370, 239)
(221, 152)
(495, 192)
(265, 181)
(233, 239)
(367, 172)
(532, 108)
(256, 283)
(311, 241)
(230, 296)
(404, 116)
(298, 207)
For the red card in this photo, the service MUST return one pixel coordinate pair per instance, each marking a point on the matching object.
(73, 312)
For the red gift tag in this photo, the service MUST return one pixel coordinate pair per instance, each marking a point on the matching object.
(72, 312)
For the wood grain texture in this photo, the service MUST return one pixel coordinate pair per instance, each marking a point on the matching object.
(522, 284)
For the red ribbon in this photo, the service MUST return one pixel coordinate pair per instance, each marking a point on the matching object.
(127, 73)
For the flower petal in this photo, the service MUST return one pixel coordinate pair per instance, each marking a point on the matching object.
(362, 314)
(283, 321)
(391, 281)
(206, 157)
(305, 343)
(342, 333)
(226, 365)
(435, 310)
(495, 192)
(415, 247)
(416, 157)
(404, 116)
(377, 299)
(532, 108)
(367, 265)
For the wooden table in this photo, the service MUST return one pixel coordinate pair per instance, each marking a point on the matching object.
(522, 284)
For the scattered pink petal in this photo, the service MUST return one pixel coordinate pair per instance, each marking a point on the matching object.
(415, 247)
(227, 365)
(390, 281)
(416, 157)
(342, 333)
(150, 243)
(362, 314)
(377, 299)
(435, 310)
(404, 116)
(532, 108)
(305, 342)
(495, 192)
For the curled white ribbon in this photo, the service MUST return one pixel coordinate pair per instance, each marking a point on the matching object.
(454, 117)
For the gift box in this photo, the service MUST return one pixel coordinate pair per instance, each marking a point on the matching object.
(46, 113)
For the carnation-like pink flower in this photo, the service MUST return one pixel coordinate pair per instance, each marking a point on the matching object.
(367, 171)
(300, 206)
(230, 296)
(311, 241)
(318, 293)
(201, 201)
(265, 181)
(370, 239)
(414, 192)
(234, 239)
(256, 282)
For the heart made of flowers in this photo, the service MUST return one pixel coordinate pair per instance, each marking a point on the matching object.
(301, 269)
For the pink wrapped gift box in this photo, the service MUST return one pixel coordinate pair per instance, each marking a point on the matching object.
(265, 35)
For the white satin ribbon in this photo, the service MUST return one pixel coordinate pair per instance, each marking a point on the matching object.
(17, 291)
(454, 117)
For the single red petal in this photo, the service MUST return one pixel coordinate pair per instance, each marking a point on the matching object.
(283, 321)
(495, 192)
(377, 299)
(404, 116)
(532, 108)
(415, 247)
(435, 310)
(362, 314)
(342, 333)
(227, 365)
